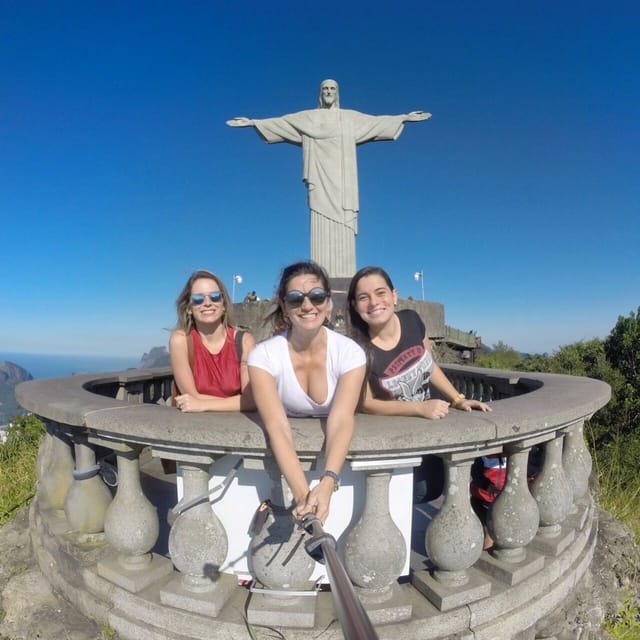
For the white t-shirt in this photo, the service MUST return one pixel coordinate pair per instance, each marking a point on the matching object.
(272, 355)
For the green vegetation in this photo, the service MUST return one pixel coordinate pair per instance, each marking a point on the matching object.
(502, 356)
(626, 623)
(18, 464)
(107, 632)
(613, 433)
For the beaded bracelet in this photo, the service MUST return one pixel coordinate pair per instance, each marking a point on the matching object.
(334, 476)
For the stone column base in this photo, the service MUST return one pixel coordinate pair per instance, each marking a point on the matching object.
(392, 606)
(579, 515)
(208, 602)
(446, 597)
(553, 546)
(511, 572)
(270, 610)
(137, 579)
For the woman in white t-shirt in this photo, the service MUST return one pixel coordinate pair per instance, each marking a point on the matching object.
(307, 370)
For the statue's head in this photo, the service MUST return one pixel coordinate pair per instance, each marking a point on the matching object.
(329, 94)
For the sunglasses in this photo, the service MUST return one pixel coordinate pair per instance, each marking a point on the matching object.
(198, 298)
(295, 298)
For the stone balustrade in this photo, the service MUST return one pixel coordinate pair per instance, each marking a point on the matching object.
(104, 551)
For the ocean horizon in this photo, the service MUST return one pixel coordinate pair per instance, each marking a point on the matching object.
(59, 365)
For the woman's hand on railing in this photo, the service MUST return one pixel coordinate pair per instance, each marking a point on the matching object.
(434, 409)
(188, 404)
(470, 405)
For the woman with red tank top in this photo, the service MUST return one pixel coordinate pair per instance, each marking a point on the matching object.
(208, 355)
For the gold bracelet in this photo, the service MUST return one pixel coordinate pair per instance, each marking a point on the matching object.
(458, 400)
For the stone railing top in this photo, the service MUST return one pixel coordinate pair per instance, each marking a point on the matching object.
(544, 404)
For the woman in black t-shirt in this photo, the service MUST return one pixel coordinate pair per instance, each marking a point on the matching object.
(401, 367)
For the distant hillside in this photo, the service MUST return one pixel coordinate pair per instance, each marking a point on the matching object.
(10, 375)
(157, 357)
(485, 348)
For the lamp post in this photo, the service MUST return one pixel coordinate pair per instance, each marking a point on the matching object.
(236, 279)
(419, 276)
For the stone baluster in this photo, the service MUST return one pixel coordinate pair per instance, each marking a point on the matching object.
(198, 546)
(554, 495)
(454, 543)
(513, 518)
(576, 460)
(512, 522)
(44, 453)
(131, 387)
(55, 467)
(88, 497)
(577, 464)
(122, 394)
(131, 526)
(280, 563)
(373, 573)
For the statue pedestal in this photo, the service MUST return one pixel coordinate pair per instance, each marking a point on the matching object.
(339, 285)
(339, 289)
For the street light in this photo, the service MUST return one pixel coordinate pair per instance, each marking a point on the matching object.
(419, 276)
(236, 279)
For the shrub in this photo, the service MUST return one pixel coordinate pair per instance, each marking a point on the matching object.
(18, 455)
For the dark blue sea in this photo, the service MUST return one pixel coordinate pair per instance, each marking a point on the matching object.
(54, 366)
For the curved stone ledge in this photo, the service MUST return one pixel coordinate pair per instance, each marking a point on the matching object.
(117, 570)
(537, 406)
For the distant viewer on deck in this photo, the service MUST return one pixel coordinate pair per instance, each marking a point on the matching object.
(328, 136)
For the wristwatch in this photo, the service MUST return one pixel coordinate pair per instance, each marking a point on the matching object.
(334, 476)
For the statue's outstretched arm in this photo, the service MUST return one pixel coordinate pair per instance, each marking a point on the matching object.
(416, 116)
(240, 122)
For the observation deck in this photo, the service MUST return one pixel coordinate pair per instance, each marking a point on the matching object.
(113, 553)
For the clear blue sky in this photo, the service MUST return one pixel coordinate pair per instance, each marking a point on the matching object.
(118, 176)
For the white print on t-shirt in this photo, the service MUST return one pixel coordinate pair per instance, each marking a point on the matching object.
(413, 383)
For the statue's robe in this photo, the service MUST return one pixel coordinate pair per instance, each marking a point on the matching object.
(328, 138)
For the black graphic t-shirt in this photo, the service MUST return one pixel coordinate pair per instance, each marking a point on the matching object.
(403, 372)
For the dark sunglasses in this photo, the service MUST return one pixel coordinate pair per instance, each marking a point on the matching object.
(295, 298)
(198, 298)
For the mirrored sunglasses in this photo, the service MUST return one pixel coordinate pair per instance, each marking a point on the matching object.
(198, 298)
(295, 298)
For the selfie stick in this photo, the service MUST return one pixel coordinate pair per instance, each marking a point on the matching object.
(352, 615)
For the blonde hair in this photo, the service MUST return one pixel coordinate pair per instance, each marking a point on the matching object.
(183, 302)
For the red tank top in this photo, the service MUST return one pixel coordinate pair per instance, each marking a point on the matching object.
(216, 374)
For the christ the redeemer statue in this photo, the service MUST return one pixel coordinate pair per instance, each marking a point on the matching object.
(328, 136)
